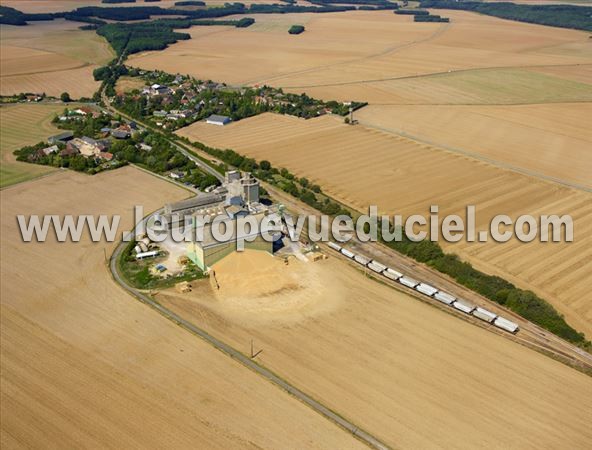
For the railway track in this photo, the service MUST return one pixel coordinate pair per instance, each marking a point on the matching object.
(530, 335)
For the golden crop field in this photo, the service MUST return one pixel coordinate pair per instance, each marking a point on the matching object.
(409, 373)
(377, 56)
(21, 125)
(86, 365)
(51, 57)
(498, 86)
(361, 166)
(266, 49)
(551, 140)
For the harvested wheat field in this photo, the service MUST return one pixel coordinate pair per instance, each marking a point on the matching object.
(409, 373)
(361, 166)
(51, 57)
(360, 55)
(266, 49)
(499, 86)
(22, 125)
(549, 140)
(469, 42)
(85, 365)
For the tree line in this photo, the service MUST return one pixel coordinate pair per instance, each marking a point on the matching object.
(365, 4)
(11, 16)
(564, 16)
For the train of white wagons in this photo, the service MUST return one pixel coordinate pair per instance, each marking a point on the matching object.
(430, 291)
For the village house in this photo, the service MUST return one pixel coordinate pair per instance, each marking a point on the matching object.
(69, 151)
(107, 156)
(85, 110)
(144, 147)
(42, 152)
(34, 98)
(48, 150)
(176, 175)
(123, 132)
(158, 89)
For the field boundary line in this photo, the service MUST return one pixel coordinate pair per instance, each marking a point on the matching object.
(431, 74)
(81, 66)
(36, 178)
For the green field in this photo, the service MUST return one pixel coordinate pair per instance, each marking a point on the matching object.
(20, 125)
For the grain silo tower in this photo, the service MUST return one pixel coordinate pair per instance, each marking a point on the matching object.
(250, 188)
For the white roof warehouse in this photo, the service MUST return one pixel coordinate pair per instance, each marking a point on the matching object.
(215, 119)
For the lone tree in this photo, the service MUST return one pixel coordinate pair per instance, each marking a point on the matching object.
(296, 29)
(65, 97)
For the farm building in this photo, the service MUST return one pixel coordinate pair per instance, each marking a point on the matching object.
(215, 119)
(86, 146)
(62, 137)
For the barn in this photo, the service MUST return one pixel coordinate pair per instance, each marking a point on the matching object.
(215, 119)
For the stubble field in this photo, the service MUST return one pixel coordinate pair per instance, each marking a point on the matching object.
(22, 125)
(85, 365)
(361, 166)
(411, 374)
(51, 57)
(371, 56)
(548, 140)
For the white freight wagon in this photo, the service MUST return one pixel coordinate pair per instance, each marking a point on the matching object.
(334, 246)
(484, 314)
(361, 260)
(392, 274)
(377, 264)
(444, 297)
(505, 324)
(143, 255)
(426, 289)
(409, 282)
(378, 268)
(347, 253)
(464, 307)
